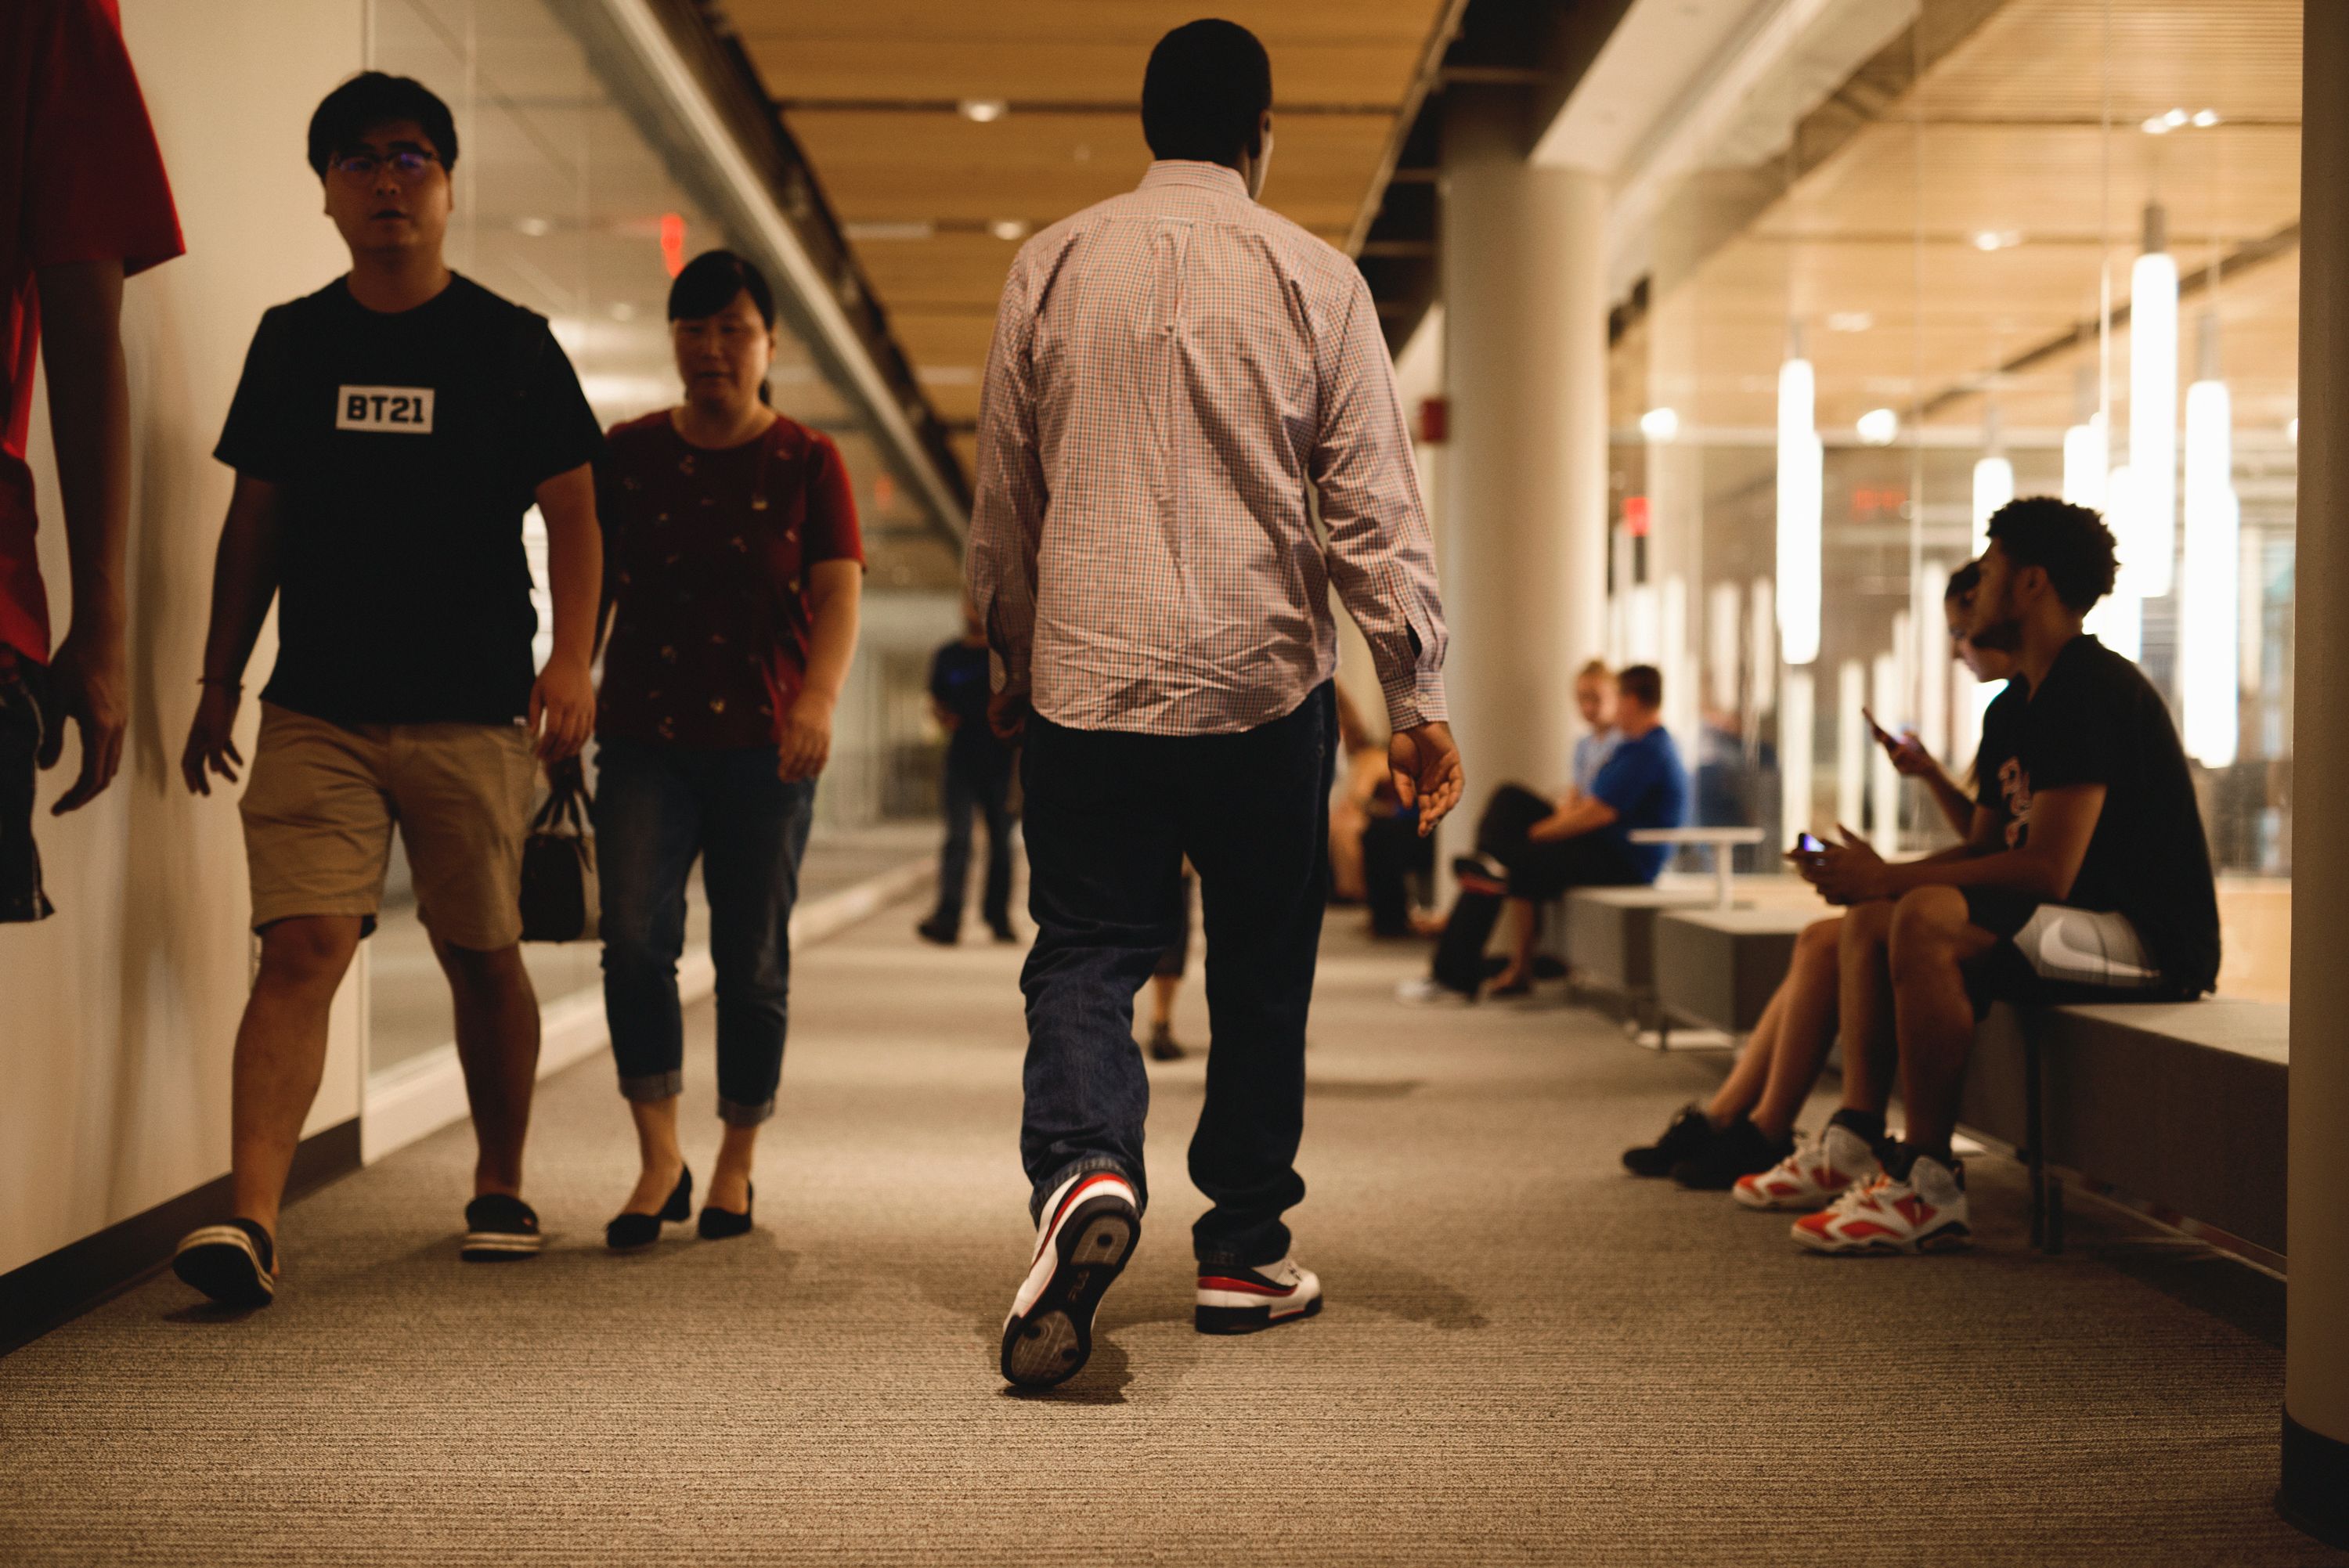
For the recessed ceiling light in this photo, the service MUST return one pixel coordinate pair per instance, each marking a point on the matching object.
(1008, 228)
(533, 227)
(1849, 321)
(1996, 239)
(982, 110)
(2156, 125)
(2206, 118)
(1660, 424)
(2175, 118)
(1879, 427)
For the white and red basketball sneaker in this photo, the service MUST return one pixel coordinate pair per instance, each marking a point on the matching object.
(1243, 1300)
(1924, 1214)
(1087, 1233)
(1817, 1173)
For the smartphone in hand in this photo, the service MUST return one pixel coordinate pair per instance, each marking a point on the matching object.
(1883, 737)
(1806, 844)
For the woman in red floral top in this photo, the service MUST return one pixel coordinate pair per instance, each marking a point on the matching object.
(733, 567)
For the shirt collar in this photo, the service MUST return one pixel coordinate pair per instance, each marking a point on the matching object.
(1204, 176)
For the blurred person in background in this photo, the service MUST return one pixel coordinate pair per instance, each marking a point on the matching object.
(978, 780)
(736, 568)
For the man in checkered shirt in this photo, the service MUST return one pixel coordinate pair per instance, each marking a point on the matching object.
(1178, 377)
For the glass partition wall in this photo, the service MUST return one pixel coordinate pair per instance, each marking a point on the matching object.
(576, 197)
(1936, 256)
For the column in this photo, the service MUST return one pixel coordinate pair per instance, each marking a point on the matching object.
(1525, 502)
(2316, 1490)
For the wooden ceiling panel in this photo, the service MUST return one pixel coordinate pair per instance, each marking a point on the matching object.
(1323, 51)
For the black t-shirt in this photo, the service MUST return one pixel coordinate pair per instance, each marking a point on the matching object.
(406, 446)
(962, 681)
(2096, 719)
(1994, 762)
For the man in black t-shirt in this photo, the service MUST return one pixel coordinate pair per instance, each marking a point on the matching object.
(388, 435)
(2103, 890)
(977, 778)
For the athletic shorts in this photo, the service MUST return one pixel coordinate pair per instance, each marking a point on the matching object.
(2052, 953)
(319, 808)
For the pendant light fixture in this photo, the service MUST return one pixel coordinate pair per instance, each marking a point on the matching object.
(2208, 595)
(2150, 547)
(1802, 484)
(1993, 478)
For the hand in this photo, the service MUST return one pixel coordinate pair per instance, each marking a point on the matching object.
(1425, 763)
(806, 742)
(1845, 873)
(1007, 713)
(86, 685)
(1909, 758)
(212, 739)
(562, 708)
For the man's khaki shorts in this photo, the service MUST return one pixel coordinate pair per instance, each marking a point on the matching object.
(319, 808)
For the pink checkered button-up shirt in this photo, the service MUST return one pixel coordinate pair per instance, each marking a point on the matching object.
(1177, 374)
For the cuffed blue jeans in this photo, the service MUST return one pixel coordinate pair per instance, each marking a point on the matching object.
(657, 809)
(1110, 816)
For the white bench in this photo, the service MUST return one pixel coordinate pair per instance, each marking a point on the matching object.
(1721, 841)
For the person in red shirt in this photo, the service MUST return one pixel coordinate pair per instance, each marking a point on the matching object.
(84, 204)
(733, 566)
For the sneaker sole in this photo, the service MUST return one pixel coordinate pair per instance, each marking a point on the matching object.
(1948, 1239)
(1053, 1340)
(1786, 1205)
(220, 1261)
(1249, 1319)
(502, 1246)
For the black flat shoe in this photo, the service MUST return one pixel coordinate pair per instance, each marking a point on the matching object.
(633, 1232)
(718, 1224)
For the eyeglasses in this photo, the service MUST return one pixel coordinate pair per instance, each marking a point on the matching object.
(409, 164)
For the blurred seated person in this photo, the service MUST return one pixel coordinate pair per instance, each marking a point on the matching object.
(1530, 850)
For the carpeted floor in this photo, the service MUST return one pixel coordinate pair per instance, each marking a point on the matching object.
(1527, 1356)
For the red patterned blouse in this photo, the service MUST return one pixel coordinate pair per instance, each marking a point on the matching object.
(706, 554)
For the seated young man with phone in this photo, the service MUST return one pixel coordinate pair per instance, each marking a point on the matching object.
(2100, 888)
(1743, 1138)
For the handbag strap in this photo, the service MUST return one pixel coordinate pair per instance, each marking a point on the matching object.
(567, 798)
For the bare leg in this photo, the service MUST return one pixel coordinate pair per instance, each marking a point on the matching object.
(1164, 988)
(497, 1045)
(1743, 1087)
(1931, 938)
(729, 1183)
(657, 1154)
(1865, 1006)
(1347, 822)
(281, 1052)
(1804, 1028)
(1523, 928)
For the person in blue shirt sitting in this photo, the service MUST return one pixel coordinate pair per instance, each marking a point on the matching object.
(1531, 849)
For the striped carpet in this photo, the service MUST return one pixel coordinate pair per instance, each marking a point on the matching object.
(1527, 1356)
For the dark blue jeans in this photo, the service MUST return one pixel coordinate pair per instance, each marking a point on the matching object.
(658, 808)
(1110, 816)
(977, 781)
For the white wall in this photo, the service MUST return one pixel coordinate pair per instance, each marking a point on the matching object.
(116, 1015)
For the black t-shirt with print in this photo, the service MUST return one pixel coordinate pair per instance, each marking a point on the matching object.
(405, 448)
(1994, 761)
(2096, 719)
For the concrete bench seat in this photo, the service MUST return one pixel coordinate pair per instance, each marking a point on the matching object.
(2180, 1104)
(1610, 937)
(1718, 967)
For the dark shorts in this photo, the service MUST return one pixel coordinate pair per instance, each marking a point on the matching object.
(2051, 953)
(21, 897)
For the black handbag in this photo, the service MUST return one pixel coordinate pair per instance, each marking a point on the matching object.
(559, 902)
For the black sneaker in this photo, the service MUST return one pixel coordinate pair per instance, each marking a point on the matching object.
(236, 1264)
(1738, 1150)
(1689, 1133)
(937, 931)
(1002, 931)
(1164, 1047)
(499, 1227)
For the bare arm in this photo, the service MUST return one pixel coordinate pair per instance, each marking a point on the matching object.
(2044, 865)
(562, 702)
(1585, 814)
(245, 580)
(89, 416)
(835, 591)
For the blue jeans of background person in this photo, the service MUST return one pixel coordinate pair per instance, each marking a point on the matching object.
(977, 781)
(658, 808)
(1110, 816)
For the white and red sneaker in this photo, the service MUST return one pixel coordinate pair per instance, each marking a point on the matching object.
(1816, 1174)
(1087, 1233)
(1925, 1213)
(1242, 1300)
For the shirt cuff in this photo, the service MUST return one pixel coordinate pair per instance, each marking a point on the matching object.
(1416, 699)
